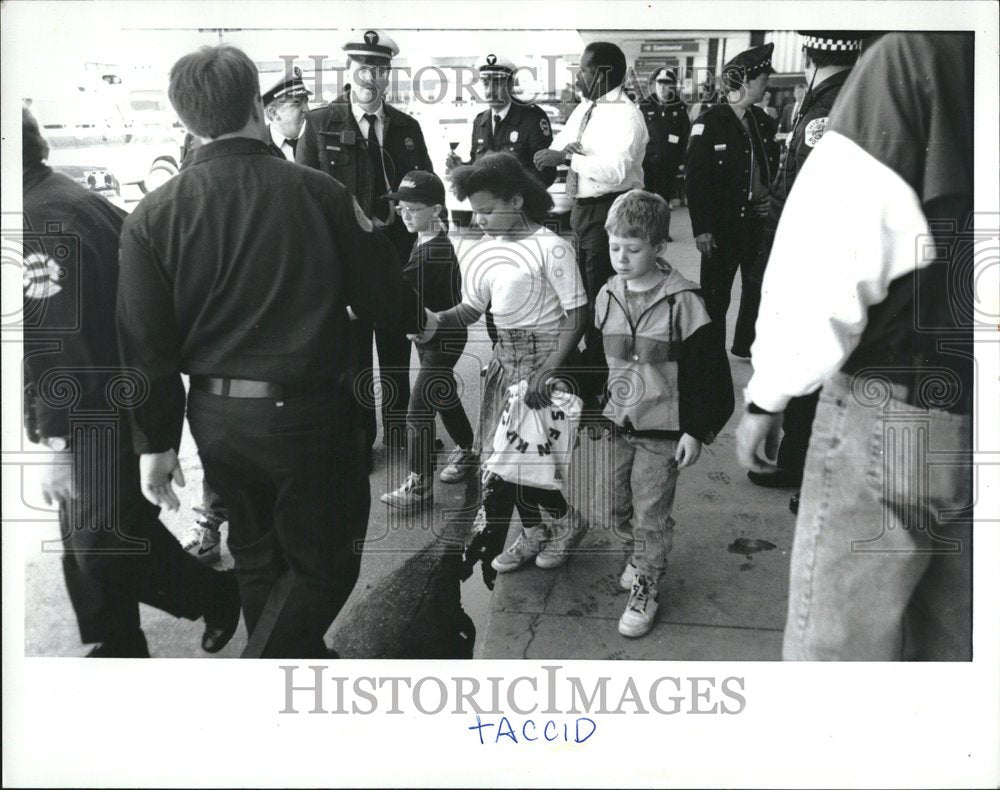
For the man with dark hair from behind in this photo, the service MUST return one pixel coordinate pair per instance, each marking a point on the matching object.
(117, 554)
(603, 143)
(238, 272)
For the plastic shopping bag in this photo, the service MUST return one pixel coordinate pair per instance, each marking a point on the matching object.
(532, 447)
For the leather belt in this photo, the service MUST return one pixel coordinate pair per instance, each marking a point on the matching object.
(248, 388)
(608, 197)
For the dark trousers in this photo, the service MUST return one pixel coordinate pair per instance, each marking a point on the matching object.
(736, 251)
(661, 179)
(501, 498)
(436, 392)
(116, 553)
(212, 509)
(594, 259)
(393, 362)
(797, 427)
(293, 477)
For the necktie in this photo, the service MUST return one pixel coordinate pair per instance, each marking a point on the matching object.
(292, 143)
(572, 179)
(380, 208)
(496, 125)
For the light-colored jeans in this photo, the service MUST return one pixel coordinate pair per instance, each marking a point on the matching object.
(641, 495)
(517, 354)
(881, 567)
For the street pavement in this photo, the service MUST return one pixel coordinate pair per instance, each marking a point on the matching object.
(723, 598)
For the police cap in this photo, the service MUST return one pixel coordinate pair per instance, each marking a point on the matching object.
(832, 40)
(493, 65)
(371, 44)
(751, 62)
(287, 88)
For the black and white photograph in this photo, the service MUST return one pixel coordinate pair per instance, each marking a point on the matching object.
(543, 395)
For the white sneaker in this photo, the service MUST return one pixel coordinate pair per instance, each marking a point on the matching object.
(202, 543)
(640, 611)
(524, 548)
(413, 493)
(627, 578)
(567, 532)
(460, 463)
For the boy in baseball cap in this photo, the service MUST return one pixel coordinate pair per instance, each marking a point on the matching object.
(434, 274)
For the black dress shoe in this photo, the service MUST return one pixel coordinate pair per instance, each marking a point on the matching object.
(130, 646)
(223, 616)
(741, 353)
(793, 503)
(783, 478)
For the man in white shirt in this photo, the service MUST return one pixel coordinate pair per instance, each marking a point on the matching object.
(603, 143)
(285, 106)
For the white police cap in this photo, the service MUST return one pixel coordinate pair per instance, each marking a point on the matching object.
(371, 44)
(493, 65)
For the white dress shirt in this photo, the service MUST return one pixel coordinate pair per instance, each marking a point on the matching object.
(614, 145)
(359, 116)
(281, 142)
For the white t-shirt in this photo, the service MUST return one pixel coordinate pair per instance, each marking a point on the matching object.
(532, 281)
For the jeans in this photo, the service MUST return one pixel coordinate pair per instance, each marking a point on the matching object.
(436, 392)
(641, 491)
(881, 566)
(516, 356)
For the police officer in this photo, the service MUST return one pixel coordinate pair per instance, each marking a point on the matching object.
(668, 125)
(117, 554)
(507, 124)
(238, 272)
(368, 146)
(285, 105)
(829, 57)
(731, 160)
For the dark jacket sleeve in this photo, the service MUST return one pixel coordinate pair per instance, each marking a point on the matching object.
(149, 341)
(60, 352)
(698, 176)
(307, 151)
(539, 141)
(684, 131)
(425, 158)
(374, 285)
(706, 385)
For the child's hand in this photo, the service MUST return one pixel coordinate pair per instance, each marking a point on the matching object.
(688, 451)
(537, 395)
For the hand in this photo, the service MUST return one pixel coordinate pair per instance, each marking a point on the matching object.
(705, 243)
(688, 451)
(156, 472)
(537, 395)
(753, 430)
(548, 157)
(452, 161)
(430, 328)
(575, 147)
(57, 478)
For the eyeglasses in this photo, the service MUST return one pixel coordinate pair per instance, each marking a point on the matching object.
(407, 211)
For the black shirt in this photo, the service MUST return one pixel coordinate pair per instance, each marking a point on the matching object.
(242, 266)
(433, 273)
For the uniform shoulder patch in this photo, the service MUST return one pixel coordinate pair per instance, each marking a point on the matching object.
(814, 131)
(545, 126)
(363, 222)
(41, 276)
(697, 129)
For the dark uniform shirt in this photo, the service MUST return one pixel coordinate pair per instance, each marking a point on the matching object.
(242, 266)
(669, 127)
(71, 260)
(813, 114)
(720, 166)
(523, 131)
(333, 142)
